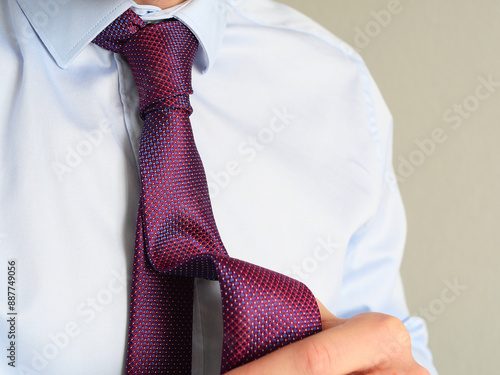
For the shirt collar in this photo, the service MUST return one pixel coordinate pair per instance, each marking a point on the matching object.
(66, 27)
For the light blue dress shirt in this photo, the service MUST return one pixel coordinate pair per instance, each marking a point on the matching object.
(295, 138)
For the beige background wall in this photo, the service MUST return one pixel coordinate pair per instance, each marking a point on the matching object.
(432, 60)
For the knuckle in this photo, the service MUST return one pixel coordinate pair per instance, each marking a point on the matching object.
(395, 331)
(421, 371)
(392, 325)
(393, 340)
(416, 370)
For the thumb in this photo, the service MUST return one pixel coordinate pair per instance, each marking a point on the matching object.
(328, 320)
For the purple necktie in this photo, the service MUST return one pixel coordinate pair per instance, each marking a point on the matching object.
(176, 238)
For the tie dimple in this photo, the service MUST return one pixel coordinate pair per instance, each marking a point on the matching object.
(177, 238)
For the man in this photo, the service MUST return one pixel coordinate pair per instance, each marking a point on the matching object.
(296, 142)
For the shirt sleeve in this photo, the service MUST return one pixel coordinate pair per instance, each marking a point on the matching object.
(372, 280)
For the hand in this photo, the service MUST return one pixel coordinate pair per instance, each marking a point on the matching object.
(367, 344)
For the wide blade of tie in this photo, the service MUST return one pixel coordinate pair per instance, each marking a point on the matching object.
(177, 238)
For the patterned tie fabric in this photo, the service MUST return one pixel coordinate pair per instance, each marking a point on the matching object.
(176, 238)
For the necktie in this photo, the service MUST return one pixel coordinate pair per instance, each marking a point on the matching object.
(176, 237)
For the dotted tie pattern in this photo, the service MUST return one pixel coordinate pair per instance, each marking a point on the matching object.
(177, 238)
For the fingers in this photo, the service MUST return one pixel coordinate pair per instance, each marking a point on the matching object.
(367, 343)
(335, 351)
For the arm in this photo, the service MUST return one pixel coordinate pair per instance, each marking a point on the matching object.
(366, 342)
(372, 280)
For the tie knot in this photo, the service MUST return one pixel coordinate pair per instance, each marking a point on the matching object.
(161, 57)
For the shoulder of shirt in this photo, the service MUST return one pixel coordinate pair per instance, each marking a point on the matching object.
(268, 13)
